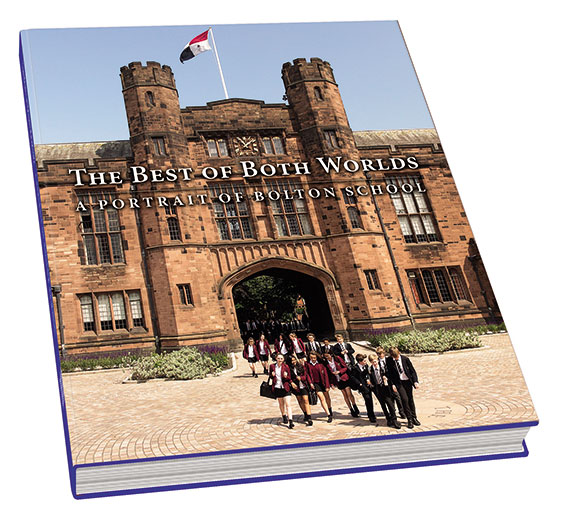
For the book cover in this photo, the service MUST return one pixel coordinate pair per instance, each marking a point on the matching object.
(213, 222)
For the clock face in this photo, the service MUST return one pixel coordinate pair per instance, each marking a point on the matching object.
(246, 146)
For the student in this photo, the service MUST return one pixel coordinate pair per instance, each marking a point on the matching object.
(281, 346)
(281, 386)
(300, 383)
(402, 375)
(338, 376)
(263, 349)
(326, 347)
(380, 388)
(250, 353)
(344, 350)
(320, 383)
(296, 346)
(312, 345)
(395, 395)
(360, 379)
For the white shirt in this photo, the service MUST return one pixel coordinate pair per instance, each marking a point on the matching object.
(251, 350)
(261, 344)
(279, 382)
(399, 364)
(283, 347)
(332, 366)
(296, 346)
(378, 374)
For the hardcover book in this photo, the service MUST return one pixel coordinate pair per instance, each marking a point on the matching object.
(258, 260)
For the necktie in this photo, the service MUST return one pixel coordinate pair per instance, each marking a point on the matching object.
(378, 376)
(400, 369)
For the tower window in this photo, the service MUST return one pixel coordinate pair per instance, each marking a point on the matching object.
(372, 279)
(318, 94)
(172, 221)
(159, 146)
(217, 148)
(150, 99)
(185, 295)
(352, 210)
(331, 138)
(273, 145)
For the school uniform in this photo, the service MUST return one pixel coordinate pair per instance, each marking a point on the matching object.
(336, 364)
(313, 346)
(280, 346)
(281, 381)
(359, 377)
(297, 347)
(263, 348)
(395, 394)
(318, 375)
(403, 376)
(383, 392)
(301, 379)
(250, 353)
(346, 352)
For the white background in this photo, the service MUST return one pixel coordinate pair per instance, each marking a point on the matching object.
(493, 75)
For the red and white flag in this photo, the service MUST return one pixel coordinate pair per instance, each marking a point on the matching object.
(198, 45)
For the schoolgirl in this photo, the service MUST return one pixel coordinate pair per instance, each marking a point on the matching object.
(280, 346)
(320, 383)
(300, 382)
(263, 349)
(338, 376)
(296, 346)
(250, 353)
(281, 386)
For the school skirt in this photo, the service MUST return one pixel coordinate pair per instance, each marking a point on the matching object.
(252, 360)
(264, 357)
(280, 392)
(300, 391)
(319, 387)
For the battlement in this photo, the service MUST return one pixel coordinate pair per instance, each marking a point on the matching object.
(301, 70)
(153, 73)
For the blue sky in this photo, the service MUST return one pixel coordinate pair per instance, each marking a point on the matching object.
(75, 91)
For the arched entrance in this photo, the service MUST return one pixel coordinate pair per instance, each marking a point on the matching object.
(286, 278)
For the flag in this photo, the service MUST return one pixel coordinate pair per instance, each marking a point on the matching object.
(198, 45)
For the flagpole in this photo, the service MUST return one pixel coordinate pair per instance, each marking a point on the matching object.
(218, 62)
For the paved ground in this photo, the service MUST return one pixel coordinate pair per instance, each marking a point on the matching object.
(111, 421)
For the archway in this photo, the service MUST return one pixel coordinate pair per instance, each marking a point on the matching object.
(266, 302)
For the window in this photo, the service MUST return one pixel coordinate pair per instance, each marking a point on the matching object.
(273, 145)
(102, 238)
(318, 95)
(372, 279)
(352, 210)
(437, 285)
(159, 146)
(414, 212)
(112, 311)
(290, 215)
(172, 221)
(331, 138)
(217, 148)
(185, 294)
(232, 218)
(150, 101)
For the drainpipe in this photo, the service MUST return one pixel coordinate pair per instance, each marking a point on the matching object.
(390, 251)
(56, 292)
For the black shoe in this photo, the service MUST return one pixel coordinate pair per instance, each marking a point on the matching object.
(372, 420)
(356, 410)
(390, 424)
(396, 425)
(401, 415)
(353, 413)
(309, 421)
(331, 412)
(416, 422)
(290, 425)
(410, 425)
(330, 418)
(285, 419)
(305, 417)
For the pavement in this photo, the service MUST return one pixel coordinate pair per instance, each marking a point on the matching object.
(111, 421)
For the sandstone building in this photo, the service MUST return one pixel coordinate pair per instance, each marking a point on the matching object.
(131, 278)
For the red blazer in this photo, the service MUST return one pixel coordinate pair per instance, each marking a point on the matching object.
(286, 379)
(342, 369)
(266, 347)
(318, 374)
(277, 346)
(291, 347)
(245, 352)
(305, 378)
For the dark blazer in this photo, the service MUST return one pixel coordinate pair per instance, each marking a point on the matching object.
(266, 346)
(342, 369)
(286, 379)
(359, 378)
(337, 350)
(373, 379)
(316, 348)
(318, 374)
(394, 375)
(245, 351)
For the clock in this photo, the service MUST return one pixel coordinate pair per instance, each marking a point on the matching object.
(246, 146)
